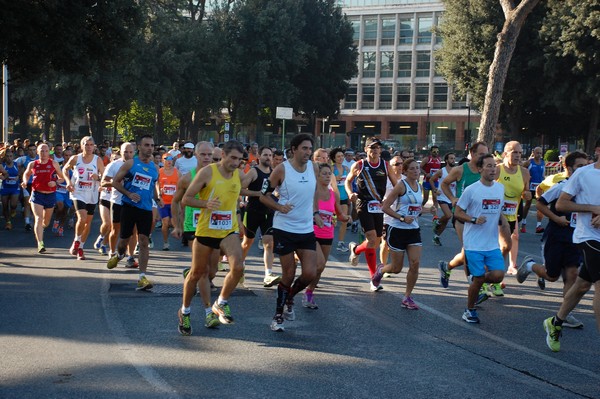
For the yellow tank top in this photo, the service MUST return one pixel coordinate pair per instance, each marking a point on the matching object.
(513, 189)
(222, 222)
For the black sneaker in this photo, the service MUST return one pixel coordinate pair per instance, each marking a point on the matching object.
(541, 283)
(185, 324)
(27, 227)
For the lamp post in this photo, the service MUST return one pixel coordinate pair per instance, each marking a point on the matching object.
(428, 133)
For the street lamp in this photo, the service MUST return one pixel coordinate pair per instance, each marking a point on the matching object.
(323, 128)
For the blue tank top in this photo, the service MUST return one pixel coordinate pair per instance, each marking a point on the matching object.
(141, 179)
(341, 181)
(11, 185)
(536, 171)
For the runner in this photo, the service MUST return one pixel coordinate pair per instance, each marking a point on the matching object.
(404, 205)
(10, 188)
(430, 166)
(259, 216)
(45, 172)
(536, 166)
(396, 164)
(371, 176)
(340, 172)
(293, 229)
(137, 181)
(105, 193)
(83, 187)
(218, 186)
(439, 225)
(22, 162)
(561, 256)
(188, 161)
(167, 182)
(580, 195)
(480, 208)
(64, 204)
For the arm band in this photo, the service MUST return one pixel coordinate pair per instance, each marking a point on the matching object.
(266, 187)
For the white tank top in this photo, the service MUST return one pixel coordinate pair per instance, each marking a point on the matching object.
(297, 189)
(408, 204)
(86, 189)
(442, 196)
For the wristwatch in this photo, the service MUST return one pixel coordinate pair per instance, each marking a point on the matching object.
(402, 218)
(474, 220)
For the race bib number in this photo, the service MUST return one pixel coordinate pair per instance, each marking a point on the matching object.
(141, 181)
(169, 189)
(510, 208)
(11, 181)
(414, 210)
(221, 220)
(490, 205)
(327, 218)
(85, 185)
(196, 217)
(533, 186)
(374, 206)
(61, 189)
(573, 222)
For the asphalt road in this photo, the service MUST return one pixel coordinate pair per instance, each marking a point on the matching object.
(73, 329)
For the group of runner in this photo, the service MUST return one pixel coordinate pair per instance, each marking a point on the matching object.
(296, 204)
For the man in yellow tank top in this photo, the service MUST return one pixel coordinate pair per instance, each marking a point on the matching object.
(515, 179)
(219, 187)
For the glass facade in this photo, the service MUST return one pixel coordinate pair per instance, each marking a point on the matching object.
(369, 61)
(386, 69)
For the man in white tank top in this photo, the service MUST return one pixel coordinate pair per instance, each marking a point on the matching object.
(83, 188)
(293, 231)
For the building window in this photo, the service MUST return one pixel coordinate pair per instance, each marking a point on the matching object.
(406, 30)
(404, 64)
(421, 95)
(386, 69)
(458, 101)
(370, 35)
(369, 61)
(423, 63)
(425, 25)
(356, 28)
(438, 37)
(351, 96)
(385, 96)
(440, 96)
(403, 96)
(368, 96)
(388, 32)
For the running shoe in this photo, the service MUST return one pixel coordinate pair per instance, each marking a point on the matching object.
(552, 334)
(113, 261)
(288, 311)
(271, 280)
(435, 224)
(444, 274)
(353, 256)
(242, 282)
(8, 225)
(572, 322)
(185, 323)
(470, 316)
(522, 271)
(144, 284)
(539, 230)
(80, 254)
(28, 227)
(541, 283)
(354, 227)
(41, 248)
(98, 242)
(374, 287)
(71, 223)
(342, 247)
(211, 321)
(55, 226)
(482, 297)
(408, 303)
(309, 302)
(496, 289)
(260, 244)
(150, 243)
(512, 271)
(523, 229)
(436, 241)
(185, 272)
(376, 279)
(102, 250)
(131, 263)
(61, 231)
(137, 249)
(74, 248)
(277, 323)
(224, 312)
(387, 275)
(166, 246)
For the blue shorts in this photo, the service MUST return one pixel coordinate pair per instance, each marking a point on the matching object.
(427, 185)
(9, 189)
(48, 201)
(479, 260)
(165, 211)
(65, 199)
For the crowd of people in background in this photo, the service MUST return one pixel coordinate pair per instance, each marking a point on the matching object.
(300, 203)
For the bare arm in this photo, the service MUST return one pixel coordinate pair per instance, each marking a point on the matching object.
(200, 181)
(117, 181)
(526, 178)
(353, 174)
(454, 176)
(386, 207)
(68, 166)
(176, 208)
(275, 180)
(565, 204)
(27, 174)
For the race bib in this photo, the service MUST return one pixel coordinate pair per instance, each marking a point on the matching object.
(433, 171)
(374, 206)
(573, 222)
(510, 208)
(414, 210)
(221, 220)
(169, 189)
(61, 189)
(327, 218)
(490, 206)
(11, 181)
(196, 217)
(533, 186)
(85, 185)
(141, 181)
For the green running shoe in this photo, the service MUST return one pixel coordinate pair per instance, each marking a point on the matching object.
(224, 313)
(211, 321)
(552, 334)
(144, 284)
(185, 324)
(113, 261)
(496, 289)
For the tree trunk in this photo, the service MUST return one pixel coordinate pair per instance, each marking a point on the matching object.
(159, 124)
(66, 127)
(590, 143)
(115, 131)
(507, 41)
(195, 125)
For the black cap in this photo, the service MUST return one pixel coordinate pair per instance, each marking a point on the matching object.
(371, 141)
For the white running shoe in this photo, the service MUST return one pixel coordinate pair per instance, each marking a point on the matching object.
(353, 256)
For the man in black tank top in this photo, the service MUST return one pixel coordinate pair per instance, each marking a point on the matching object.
(259, 216)
(371, 177)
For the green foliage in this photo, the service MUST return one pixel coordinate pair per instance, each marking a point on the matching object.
(139, 119)
(551, 155)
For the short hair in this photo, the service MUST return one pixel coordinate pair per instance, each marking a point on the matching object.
(233, 145)
(570, 159)
(334, 152)
(407, 162)
(201, 143)
(85, 139)
(482, 159)
(299, 138)
(278, 153)
(146, 136)
(434, 146)
(264, 147)
(448, 155)
(476, 145)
